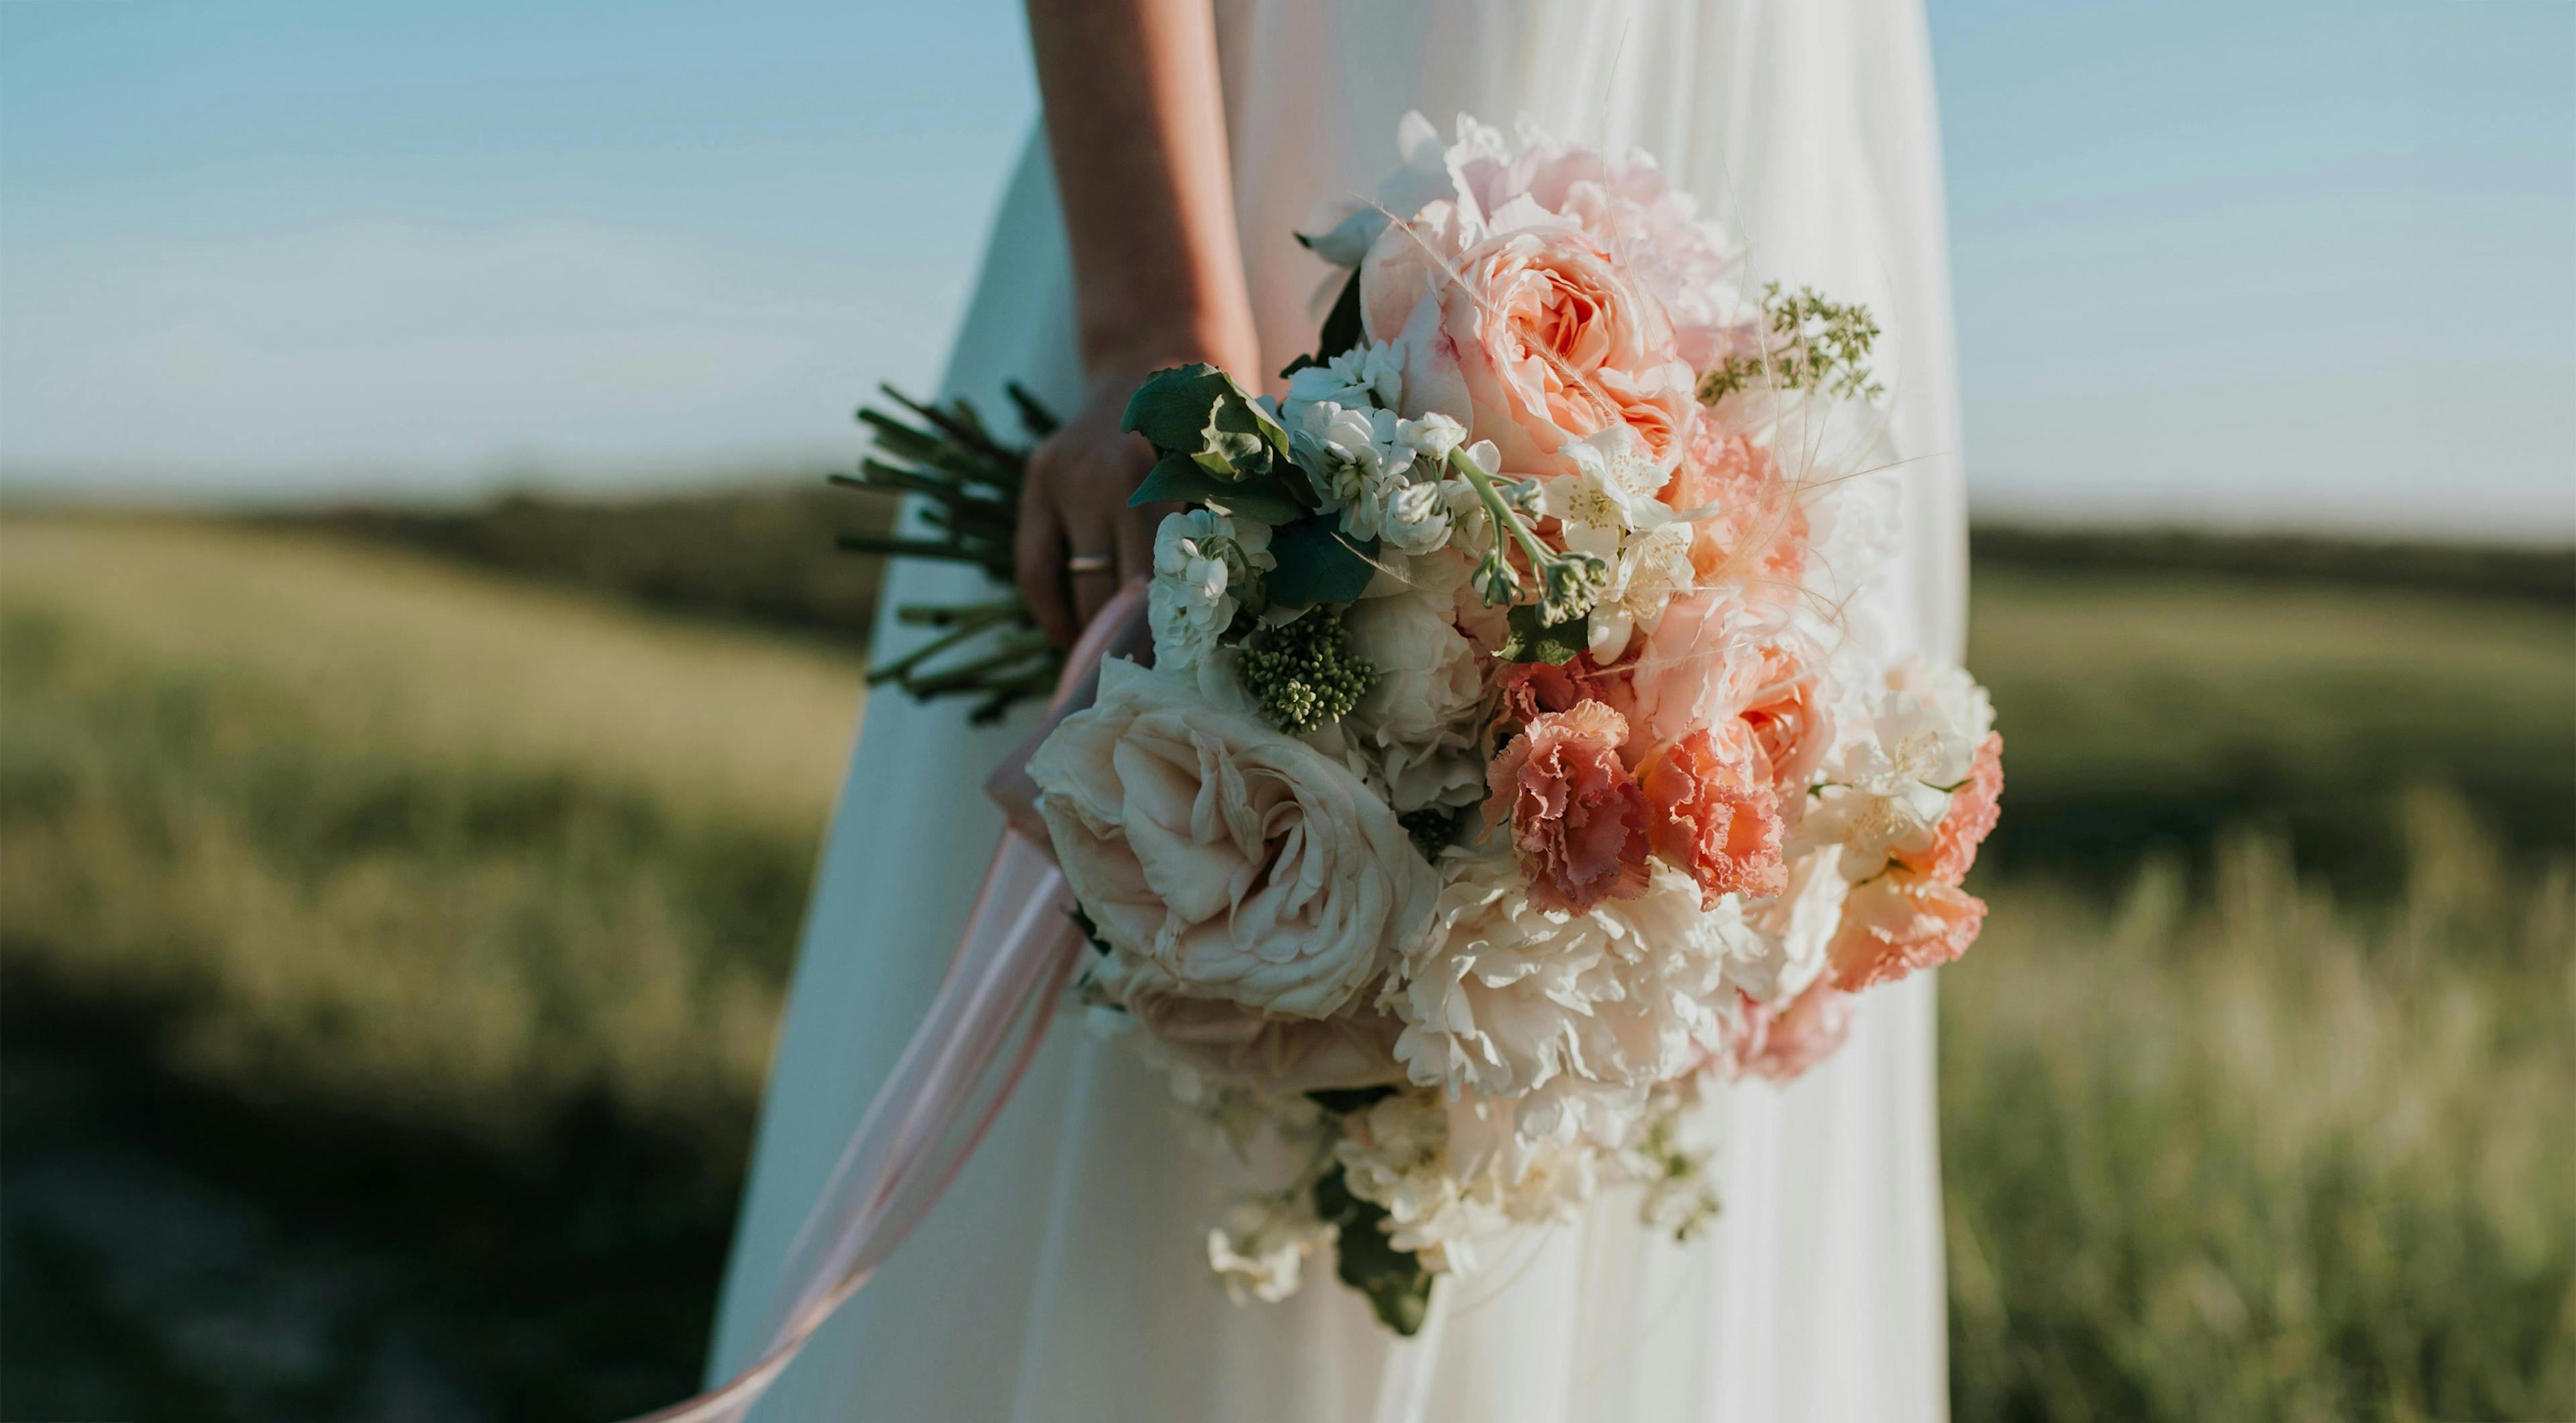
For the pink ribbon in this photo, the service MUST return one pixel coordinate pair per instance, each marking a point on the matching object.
(1019, 948)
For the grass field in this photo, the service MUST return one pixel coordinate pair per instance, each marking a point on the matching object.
(391, 945)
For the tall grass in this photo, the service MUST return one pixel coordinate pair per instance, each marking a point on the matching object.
(2234, 1149)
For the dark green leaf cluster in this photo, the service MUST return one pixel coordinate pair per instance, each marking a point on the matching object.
(1396, 1285)
(1535, 639)
(1433, 828)
(966, 487)
(1305, 674)
(1815, 344)
(1214, 444)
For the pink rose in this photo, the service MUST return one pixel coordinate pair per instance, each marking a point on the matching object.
(1782, 1043)
(1575, 813)
(1970, 819)
(1536, 340)
(1711, 814)
(1694, 670)
(1898, 923)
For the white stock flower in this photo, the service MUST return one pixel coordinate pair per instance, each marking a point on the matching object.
(1504, 997)
(1890, 780)
(1202, 562)
(1260, 1251)
(1242, 863)
(1417, 723)
(1371, 374)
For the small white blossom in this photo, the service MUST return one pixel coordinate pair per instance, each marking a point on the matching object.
(1260, 1252)
(1203, 561)
(1365, 375)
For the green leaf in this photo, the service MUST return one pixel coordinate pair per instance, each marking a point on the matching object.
(1535, 640)
(1343, 329)
(1198, 412)
(1396, 1285)
(1177, 477)
(1317, 563)
(1342, 1101)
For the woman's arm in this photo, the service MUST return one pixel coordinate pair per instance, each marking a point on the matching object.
(1137, 127)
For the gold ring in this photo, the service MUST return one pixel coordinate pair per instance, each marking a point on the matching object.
(1090, 563)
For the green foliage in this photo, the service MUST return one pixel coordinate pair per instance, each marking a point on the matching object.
(1178, 479)
(1200, 414)
(1305, 674)
(1535, 639)
(1318, 563)
(1813, 344)
(965, 485)
(1393, 1280)
(1342, 331)
(1434, 828)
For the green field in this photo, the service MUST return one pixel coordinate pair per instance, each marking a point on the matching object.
(392, 940)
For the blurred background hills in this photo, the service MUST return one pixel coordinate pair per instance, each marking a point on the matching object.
(396, 903)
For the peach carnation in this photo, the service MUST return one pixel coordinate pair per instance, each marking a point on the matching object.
(1790, 724)
(1898, 923)
(1780, 1043)
(1970, 819)
(1710, 814)
(1577, 817)
(1752, 524)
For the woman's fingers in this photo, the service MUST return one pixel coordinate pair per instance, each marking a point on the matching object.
(1096, 562)
(1037, 554)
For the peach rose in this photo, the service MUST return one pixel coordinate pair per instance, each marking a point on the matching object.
(1780, 1043)
(1970, 819)
(1694, 670)
(1536, 341)
(1242, 863)
(1712, 815)
(1575, 813)
(1898, 923)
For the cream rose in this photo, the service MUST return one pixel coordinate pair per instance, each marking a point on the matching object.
(1243, 864)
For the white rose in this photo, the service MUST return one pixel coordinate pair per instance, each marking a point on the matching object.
(1230, 1043)
(1419, 720)
(1239, 861)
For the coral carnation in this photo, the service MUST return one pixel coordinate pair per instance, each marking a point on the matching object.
(1711, 815)
(1576, 815)
(1898, 923)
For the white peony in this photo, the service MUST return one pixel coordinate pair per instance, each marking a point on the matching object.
(1418, 722)
(1240, 862)
(1203, 561)
(1504, 997)
(1776, 947)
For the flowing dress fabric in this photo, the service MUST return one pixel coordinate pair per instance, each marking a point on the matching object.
(1064, 1277)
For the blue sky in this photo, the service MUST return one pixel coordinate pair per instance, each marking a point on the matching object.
(2282, 264)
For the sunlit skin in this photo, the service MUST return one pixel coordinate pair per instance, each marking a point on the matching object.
(1136, 123)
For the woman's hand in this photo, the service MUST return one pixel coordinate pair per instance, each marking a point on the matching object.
(1078, 541)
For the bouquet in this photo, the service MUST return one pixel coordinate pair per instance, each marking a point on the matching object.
(1519, 753)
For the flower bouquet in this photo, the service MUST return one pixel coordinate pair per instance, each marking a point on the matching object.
(1519, 752)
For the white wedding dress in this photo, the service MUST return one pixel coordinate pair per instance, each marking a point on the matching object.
(1063, 1278)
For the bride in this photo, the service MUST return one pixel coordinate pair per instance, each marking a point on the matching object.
(1184, 143)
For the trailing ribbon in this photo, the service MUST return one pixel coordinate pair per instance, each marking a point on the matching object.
(1019, 948)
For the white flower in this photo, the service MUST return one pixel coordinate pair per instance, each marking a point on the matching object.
(1504, 997)
(1396, 1154)
(1371, 374)
(1352, 455)
(1433, 436)
(1776, 947)
(1418, 723)
(1890, 780)
(1613, 486)
(1260, 1252)
(1414, 518)
(1202, 562)
(1242, 863)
